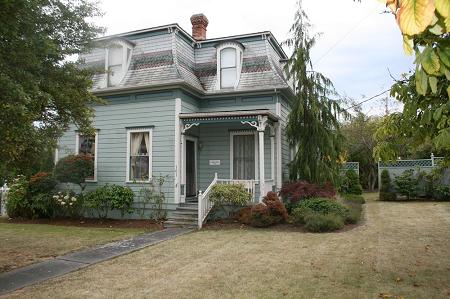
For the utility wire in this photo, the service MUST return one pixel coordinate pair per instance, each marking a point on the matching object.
(366, 100)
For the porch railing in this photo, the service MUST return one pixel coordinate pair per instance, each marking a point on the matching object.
(204, 204)
(249, 185)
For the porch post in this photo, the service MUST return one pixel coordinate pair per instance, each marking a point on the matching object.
(177, 150)
(272, 153)
(279, 170)
(262, 122)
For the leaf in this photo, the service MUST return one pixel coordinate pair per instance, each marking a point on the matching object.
(443, 7)
(438, 113)
(414, 16)
(392, 5)
(430, 61)
(421, 81)
(433, 83)
(444, 55)
(448, 92)
(408, 45)
(442, 140)
(436, 29)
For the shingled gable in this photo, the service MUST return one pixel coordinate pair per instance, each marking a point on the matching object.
(169, 56)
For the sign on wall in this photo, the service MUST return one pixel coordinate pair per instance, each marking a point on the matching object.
(214, 162)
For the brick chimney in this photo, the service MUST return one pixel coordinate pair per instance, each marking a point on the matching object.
(199, 24)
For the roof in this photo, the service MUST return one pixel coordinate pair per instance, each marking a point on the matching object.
(205, 116)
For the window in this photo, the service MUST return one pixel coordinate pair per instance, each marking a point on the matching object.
(229, 64)
(243, 156)
(228, 68)
(115, 65)
(139, 155)
(87, 145)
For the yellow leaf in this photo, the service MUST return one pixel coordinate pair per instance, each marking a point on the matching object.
(408, 45)
(443, 7)
(414, 16)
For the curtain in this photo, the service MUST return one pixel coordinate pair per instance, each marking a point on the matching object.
(147, 143)
(139, 156)
(136, 139)
(244, 157)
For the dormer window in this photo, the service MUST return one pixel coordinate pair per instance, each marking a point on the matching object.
(229, 64)
(118, 53)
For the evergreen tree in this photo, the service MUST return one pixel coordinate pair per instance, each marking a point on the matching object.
(313, 124)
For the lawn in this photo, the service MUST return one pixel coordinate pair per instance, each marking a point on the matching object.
(23, 244)
(401, 250)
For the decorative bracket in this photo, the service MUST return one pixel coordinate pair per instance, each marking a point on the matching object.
(188, 126)
(259, 125)
(252, 123)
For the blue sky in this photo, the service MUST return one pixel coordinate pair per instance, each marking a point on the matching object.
(357, 47)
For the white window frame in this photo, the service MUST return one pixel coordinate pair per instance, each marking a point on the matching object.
(125, 60)
(150, 155)
(244, 132)
(77, 151)
(239, 58)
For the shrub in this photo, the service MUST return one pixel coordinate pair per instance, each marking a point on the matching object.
(68, 204)
(260, 216)
(276, 207)
(299, 190)
(74, 169)
(109, 197)
(317, 205)
(244, 215)
(354, 213)
(41, 182)
(17, 204)
(155, 197)
(406, 184)
(435, 187)
(234, 194)
(317, 222)
(386, 189)
(350, 183)
(354, 198)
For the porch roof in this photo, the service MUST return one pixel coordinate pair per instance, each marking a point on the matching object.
(220, 116)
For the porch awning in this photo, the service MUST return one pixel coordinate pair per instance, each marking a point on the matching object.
(226, 116)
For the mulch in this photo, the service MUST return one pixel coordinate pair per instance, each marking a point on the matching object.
(90, 222)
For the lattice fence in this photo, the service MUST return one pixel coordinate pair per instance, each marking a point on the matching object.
(350, 165)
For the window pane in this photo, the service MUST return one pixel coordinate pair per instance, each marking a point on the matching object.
(228, 58)
(87, 147)
(243, 157)
(115, 56)
(139, 156)
(139, 166)
(228, 78)
(115, 74)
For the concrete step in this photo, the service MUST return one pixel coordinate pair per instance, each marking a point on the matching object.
(187, 208)
(176, 223)
(184, 215)
(184, 218)
(188, 204)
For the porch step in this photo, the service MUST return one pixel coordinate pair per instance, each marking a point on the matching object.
(185, 215)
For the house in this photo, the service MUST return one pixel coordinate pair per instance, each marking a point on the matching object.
(187, 107)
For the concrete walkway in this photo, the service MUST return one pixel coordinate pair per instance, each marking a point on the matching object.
(22, 277)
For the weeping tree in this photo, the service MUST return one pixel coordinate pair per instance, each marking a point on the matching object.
(313, 125)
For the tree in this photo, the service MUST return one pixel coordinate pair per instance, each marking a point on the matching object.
(359, 145)
(425, 26)
(41, 91)
(313, 123)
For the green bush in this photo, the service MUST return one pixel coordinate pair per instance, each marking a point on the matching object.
(276, 207)
(74, 169)
(42, 182)
(298, 215)
(260, 216)
(407, 184)
(318, 222)
(109, 197)
(354, 198)
(68, 204)
(434, 184)
(17, 204)
(318, 205)
(234, 194)
(354, 213)
(387, 192)
(350, 183)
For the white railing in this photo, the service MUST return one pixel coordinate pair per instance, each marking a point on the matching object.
(249, 185)
(3, 194)
(204, 204)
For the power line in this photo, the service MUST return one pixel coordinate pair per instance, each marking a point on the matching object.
(366, 100)
(354, 27)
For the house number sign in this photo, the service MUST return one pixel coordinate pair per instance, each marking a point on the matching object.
(214, 162)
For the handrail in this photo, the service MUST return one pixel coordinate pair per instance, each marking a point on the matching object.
(204, 204)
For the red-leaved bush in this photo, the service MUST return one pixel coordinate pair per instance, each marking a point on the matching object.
(276, 207)
(299, 190)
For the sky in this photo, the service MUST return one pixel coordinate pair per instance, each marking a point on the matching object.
(358, 47)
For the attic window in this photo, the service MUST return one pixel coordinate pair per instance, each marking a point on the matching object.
(229, 65)
(119, 55)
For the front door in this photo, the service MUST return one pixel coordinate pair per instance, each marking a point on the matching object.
(191, 164)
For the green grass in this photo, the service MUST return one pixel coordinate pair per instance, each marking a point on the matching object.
(23, 244)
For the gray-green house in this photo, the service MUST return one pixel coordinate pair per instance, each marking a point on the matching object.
(187, 107)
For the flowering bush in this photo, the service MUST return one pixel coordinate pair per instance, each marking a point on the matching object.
(67, 204)
(299, 190)
(17, 204)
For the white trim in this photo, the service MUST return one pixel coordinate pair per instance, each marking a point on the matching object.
(150, 154)
(244, 132)
(279, 156)
(77, 151)
(262, 180)
(272, 157)
(195, 140)
(177, 144)
(239, 59)
(125, 60)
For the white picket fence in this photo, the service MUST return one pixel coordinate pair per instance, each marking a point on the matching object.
(4, 193)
